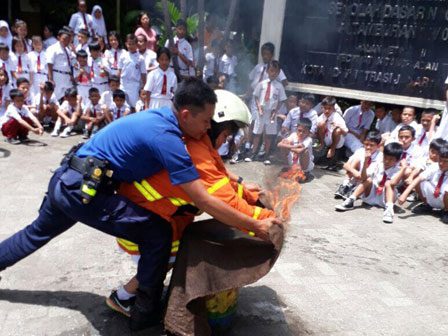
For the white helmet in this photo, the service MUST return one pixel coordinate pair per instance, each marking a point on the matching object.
(230, 107)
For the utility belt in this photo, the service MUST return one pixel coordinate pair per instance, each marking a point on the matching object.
(96, 175)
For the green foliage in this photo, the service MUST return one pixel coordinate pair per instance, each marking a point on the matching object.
(129, 23)
(192, 21)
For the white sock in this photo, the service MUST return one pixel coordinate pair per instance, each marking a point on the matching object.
(123, 294)
(68, 129)
(247, 145)
(352, 197)
(389, 205)
(346, 182)
(57, 126)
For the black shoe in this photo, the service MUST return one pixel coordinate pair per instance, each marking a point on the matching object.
(24, 139)
(13, 141)
(444, 218)
(121, 306)
(341, 192)
(147, 310)
(422, 209)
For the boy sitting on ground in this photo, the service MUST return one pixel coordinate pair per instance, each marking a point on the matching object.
(300, 146)
(68, 113)
(379, 182)
(432, 188)
(355, 164)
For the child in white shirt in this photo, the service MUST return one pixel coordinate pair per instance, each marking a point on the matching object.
(300, 146)
(140, 106)
(331, 128)
(149, 55)
(48, 34)
(161, 83)
(6, 63)
(5, 88)
(18, 120)
(113, 54)
(83, 41)
(407, 118)
(81, 73)
(269, 96)
(119, 108)
(106, 97)
(358, 119)
(98, 69)
(68, 113)
(24, 85)
(227, 66)
(182, 49)
(131, 71)
(21, 61)
(46, 103)
(379, 182)
(38, 64)
(211, 67)
(93, 115)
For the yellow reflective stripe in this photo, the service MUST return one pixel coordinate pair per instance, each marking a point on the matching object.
(175, 243)
(88, 191)
(218, 185)
(257, 212)
(240, 191)
(250, 233)
(174, 249)
(130, 246)
(178, 201)
(151, 190)
(143, 191)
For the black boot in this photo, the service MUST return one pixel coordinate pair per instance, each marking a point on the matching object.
(147, 311)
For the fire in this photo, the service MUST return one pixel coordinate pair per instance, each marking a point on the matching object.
(284, 190)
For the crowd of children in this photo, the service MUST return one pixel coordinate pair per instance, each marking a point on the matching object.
(85, 79)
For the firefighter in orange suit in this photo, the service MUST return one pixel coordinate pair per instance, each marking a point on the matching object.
(157, 194)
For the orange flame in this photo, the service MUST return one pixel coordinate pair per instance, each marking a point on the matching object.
(283, 192)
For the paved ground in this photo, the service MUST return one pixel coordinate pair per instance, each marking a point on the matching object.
(339, 274)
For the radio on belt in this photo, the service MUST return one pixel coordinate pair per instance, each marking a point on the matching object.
(94, 173)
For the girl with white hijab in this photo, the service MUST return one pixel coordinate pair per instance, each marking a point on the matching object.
(5, 34)
(99, 26)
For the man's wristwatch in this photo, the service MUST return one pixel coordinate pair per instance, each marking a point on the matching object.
(240, 180)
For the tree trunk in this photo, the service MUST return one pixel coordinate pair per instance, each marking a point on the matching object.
(230, 17)
(183, 9)
(169, 33)
(201, 25)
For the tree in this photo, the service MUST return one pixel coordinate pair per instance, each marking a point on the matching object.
(230, 17)
(183, 9)
(169, 33)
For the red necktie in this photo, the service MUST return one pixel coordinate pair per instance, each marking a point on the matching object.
(326, 128)
(439, 185)
(69, 63)
(164, 85)
(369, 161)
(360, 120)
(380, 188)
(84, 78)
(421, 139)
(115, 59)
(404, 155)
(94, 112)
(295, 158)
(20, 69)
(38, 63)
(118, 113)
(85, 21)
(267, 95)
(262, 74)
(92, 73)
(1, 96)
(24, 45)
(4, 66)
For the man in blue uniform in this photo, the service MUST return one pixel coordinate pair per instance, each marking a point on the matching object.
(134, 148)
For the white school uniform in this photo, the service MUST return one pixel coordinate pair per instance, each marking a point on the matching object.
(107, 98)
(118, 113)
(8, 39)
(211, 62)
(293, 117)
(61, 60)
(428, 186)
(276, 96)
(80, 21)
(13, 112)
(421, 139)
(308, 144)
(65, 106)
(185, 49)
(386, 125)
(83, 84)
(356, 121)
(154, 85)
(95, 110)
(132, 68)
(84, 47)
(49, 42)
(139, 106)
(413, 155)
(394, 134)
(150, 58)
(9, 66)
(98, 77)
(318, 109)
(39, 68)
(112, 57)
(227, 65)
(360, 155)
(257, 75)
(442, 131)
(22, 65)
(338, 121)
(52, 100)
(4, 96)
(376, 172)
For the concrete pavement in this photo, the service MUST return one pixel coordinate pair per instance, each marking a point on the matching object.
(339, 273)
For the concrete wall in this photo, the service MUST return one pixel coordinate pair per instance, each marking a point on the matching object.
(272, 24)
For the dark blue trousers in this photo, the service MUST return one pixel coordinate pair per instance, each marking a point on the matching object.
(112, 214)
